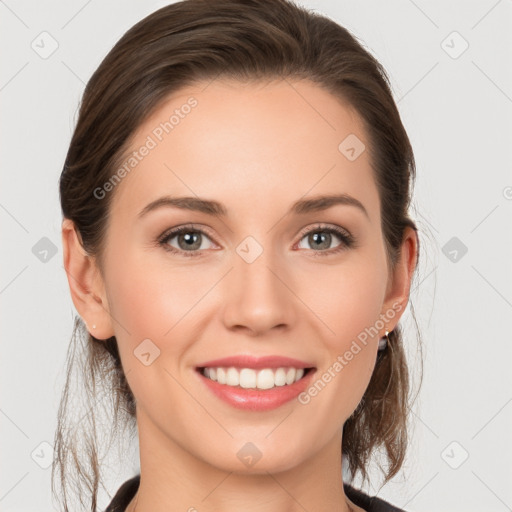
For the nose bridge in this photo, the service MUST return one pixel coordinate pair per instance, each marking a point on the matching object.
(257, 296)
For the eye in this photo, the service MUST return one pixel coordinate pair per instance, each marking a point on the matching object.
(189, 241)
(321, 238)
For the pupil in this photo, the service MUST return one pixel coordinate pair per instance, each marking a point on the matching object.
(319, 236)
(191, 239)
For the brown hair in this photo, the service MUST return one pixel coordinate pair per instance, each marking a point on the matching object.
(244, 40)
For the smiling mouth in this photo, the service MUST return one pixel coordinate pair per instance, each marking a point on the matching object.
(251, 378)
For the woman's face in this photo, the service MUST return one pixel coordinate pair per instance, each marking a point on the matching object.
(262, 279)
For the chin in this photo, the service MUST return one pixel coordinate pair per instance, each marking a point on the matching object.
(258, 463)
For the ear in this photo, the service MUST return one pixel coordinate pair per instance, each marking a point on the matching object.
(399, 283)
(85, 283)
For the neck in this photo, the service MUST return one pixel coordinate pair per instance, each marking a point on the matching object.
(173, 478)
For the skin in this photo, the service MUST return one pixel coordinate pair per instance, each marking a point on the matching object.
(256, 148)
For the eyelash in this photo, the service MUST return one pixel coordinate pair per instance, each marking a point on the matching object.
(347, 240)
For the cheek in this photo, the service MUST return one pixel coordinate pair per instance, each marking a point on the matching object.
(148, 300)
(157, 303)
(347, 298)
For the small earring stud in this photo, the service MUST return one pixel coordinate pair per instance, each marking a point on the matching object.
(383, 342)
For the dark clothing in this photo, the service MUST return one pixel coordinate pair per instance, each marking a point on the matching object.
(371, 504)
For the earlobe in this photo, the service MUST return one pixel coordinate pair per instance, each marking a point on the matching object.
(85, 283)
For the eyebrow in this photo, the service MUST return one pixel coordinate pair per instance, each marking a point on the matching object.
(210, 207)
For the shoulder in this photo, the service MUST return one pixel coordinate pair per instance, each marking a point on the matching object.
(369, 503)
(124, 495)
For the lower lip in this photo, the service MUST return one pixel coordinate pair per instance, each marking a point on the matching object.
(258, 399)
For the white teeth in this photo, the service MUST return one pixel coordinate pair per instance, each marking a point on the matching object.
(248, 378)
(221, 375)
(280, 377)
(232, 377)
(265, 379)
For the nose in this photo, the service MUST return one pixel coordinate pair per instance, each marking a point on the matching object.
(258, 296)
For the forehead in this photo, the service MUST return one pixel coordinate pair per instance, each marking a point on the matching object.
(262, 142)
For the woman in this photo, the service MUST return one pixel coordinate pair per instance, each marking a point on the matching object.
(238, 247)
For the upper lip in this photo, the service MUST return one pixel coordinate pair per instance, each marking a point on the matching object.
(247, 361)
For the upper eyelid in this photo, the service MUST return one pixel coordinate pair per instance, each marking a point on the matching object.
(327, 227)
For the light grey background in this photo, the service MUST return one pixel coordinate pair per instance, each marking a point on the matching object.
(457, 108)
